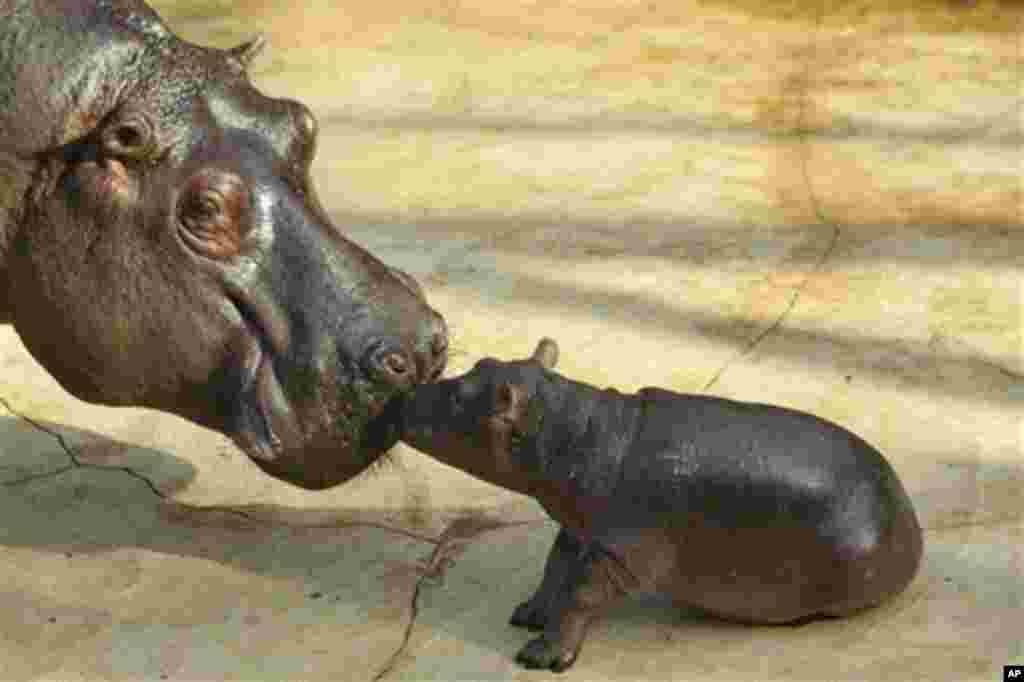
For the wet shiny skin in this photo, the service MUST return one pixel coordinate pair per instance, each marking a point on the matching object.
(751, 512)
(162, 245)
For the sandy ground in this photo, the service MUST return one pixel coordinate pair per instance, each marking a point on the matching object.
(821, 211)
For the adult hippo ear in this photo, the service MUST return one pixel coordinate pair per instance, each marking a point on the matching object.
(247, 52)
(161, 245)
(546, 353)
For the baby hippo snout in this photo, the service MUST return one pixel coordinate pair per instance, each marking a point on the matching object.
(420, 411)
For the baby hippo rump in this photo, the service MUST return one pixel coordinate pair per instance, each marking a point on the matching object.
(751, 512)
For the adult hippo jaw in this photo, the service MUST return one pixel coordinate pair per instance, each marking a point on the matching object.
(298, 301)
(161, 245)
(321, 335)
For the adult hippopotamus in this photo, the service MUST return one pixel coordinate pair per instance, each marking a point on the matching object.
(161, 244)
(755, 513)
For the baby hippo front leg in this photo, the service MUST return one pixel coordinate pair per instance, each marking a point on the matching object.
(594, 581)
(533, 614)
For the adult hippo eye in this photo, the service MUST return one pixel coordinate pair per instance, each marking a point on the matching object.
(131, 137)
(213, 216)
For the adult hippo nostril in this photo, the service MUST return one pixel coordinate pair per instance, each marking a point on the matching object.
(432, 349)
(412, 355)
(396, 364)
(392, 366)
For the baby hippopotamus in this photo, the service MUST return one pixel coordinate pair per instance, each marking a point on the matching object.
(754, 513)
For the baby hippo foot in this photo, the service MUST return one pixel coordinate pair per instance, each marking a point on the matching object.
(531, 614)
(547, 654)
(592, 583)
(563, 559)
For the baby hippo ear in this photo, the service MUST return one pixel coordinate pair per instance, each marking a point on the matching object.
(546, 353)
(509, 401)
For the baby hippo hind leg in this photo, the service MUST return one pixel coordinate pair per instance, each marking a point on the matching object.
(533, 613)
(595, 581)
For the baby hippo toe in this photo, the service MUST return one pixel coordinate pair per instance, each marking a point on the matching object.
(530, 616)
(542, 653)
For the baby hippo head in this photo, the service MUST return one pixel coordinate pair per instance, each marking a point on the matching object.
(476, 421)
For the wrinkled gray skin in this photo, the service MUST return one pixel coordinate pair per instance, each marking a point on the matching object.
(754, 513)
(161, 244)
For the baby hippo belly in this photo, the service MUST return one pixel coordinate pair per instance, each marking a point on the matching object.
(773, 568)
(772, 576)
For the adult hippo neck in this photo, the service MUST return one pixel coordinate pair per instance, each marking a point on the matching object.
(161, 245)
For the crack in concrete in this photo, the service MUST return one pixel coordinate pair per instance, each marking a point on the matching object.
(76, 463)
(38, 477)
(457, 535)
(1005, 371)
(449, 544)
(801, 131)
(414, 612)
(441, 559)
(454, 540)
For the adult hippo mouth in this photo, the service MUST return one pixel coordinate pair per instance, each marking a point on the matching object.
(319, 419)
(265, 424)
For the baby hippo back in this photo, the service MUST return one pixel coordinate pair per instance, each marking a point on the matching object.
(769, 514)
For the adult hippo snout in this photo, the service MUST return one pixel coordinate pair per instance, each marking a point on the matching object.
(328, 336)
(162, 245)
(404, 367)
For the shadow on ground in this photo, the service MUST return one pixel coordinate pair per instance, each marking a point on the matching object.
(92, 508)
(464, 584)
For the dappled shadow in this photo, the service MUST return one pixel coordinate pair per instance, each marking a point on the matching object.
(353, 558)
(997, 130)
(938, 16)
(936, 239)
(964, 492)
(908, 366)
(983, 378)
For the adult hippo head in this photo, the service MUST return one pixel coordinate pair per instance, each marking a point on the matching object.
(161, 244)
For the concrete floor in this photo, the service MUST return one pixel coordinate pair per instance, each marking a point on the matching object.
(811, 214)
